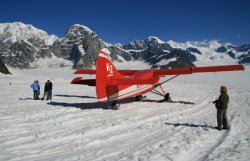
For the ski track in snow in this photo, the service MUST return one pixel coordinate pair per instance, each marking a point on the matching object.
(73, 126)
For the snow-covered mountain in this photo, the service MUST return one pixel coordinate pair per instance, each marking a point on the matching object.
(23, 45)
(215, 52)
(174, 54)
(17, 31)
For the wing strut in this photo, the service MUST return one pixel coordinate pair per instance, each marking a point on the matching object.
(157, 92)
(168, 79)
(163, 92)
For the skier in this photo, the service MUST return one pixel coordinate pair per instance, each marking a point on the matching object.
(221, 105)
(36, 89)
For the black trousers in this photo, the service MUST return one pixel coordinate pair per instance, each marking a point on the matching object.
(222, 118)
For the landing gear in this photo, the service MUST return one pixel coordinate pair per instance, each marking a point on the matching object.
(167, 97)
(114, 106)
(138, 98)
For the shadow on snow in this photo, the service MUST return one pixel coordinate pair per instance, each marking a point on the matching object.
(26, 98)
(82, 106)
(91, 105)
(162, 101)
(64, 95)
(189, 125)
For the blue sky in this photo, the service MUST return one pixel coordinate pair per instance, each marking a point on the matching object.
(122, 21)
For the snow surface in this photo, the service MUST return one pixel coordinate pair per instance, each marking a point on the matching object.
(213, 44)
(74, 126)
(166, 61)
(82, 51)
(53, 62)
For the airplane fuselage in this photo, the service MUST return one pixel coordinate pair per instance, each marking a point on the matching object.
(124, 91)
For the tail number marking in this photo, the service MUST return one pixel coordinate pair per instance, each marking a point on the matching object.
(109, 69)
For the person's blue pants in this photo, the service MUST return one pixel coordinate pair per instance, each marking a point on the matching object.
(35, 95)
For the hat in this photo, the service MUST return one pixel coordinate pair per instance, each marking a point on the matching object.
(223, 89)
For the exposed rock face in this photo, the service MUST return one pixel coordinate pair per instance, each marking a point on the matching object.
(80, 44)
(222, 49)
(243, 48)
(175, 58)
(3, 68)
(156, 52)
(231, 54)
(194, 50)
(245, 58)
(150, 42)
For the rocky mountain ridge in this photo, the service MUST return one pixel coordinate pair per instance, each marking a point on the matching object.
(21, 45)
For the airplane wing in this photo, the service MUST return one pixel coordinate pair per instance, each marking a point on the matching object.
(156, 73)
(175, 71)
(180, 71)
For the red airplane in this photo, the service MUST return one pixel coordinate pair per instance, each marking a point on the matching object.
(112, 84)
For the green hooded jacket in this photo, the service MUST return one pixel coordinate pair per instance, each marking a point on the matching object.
(222, 102)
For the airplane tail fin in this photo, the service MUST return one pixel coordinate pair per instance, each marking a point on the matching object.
(106, 72)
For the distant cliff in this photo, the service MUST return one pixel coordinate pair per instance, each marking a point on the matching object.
(3, 68)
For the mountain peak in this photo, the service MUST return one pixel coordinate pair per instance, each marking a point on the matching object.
(83, 27)
(17, 31)
(78, 29)
(156, 39)
(214, 44)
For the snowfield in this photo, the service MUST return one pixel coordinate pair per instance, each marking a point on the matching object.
(74, 126)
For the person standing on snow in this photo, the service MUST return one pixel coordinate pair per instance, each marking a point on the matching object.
(36, 89)
(50, 89)
(38, 93)
(46, 91)
(221, 105)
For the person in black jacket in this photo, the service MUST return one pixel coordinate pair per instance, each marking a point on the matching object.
(221, 105)
(46, 91)
(50, 89)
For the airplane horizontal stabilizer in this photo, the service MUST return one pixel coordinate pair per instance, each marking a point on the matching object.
(80, 80)
(85, 72)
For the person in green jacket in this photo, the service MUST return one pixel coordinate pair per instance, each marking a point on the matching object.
(221, 105)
